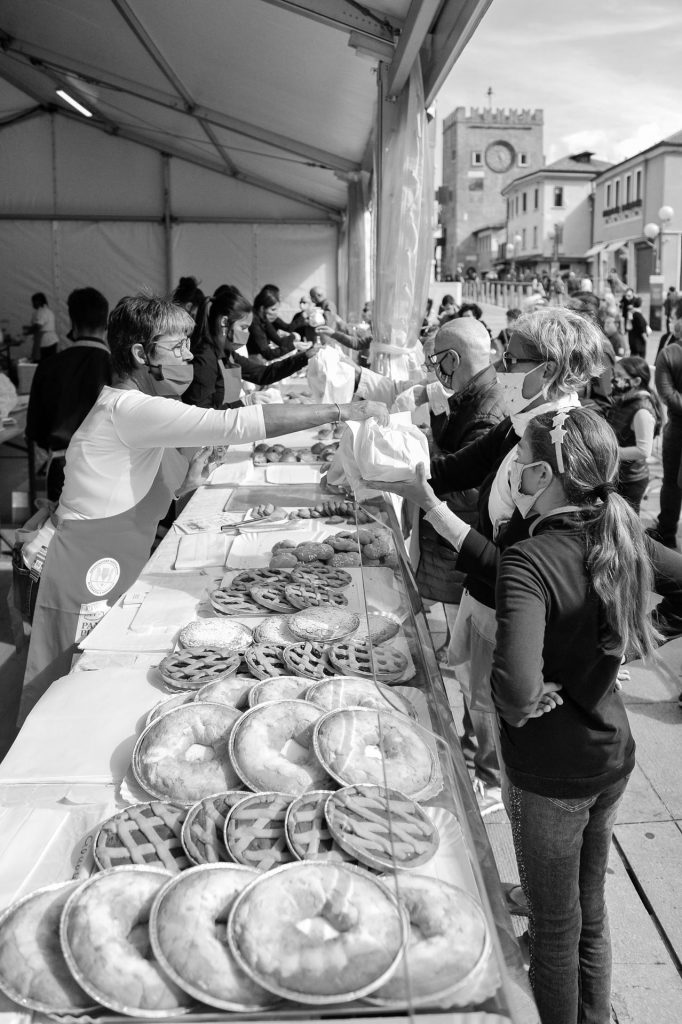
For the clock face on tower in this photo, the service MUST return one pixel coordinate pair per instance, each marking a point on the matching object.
(499, 156)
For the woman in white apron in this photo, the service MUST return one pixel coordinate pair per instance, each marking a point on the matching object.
(123, 469)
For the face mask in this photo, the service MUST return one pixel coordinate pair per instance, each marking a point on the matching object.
(445, 379)
(618, 384)
(512, 387)
(170, 381)
(523, 502)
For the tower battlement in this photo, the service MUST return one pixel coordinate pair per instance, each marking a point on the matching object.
(500, 116)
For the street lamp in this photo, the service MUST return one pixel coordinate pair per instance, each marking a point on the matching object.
(654, 232)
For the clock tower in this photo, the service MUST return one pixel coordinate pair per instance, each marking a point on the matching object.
(482, 152)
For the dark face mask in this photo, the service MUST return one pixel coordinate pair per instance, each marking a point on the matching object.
(621, 386)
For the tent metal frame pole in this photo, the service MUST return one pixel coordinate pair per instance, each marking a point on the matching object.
(379, 175)
(167, 221)
(89, 218)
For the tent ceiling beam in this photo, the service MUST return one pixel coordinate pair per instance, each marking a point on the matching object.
(153, 51)
(415, 30)
(341, 14)
(41, 57)
(456, 23)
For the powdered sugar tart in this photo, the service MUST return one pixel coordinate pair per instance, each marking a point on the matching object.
(33, 971)
(324, 624)
(358, 745)
(274, 630)
(359, 692)
(143, 834)
(381, 827)
(254, 831)
(104, 934)
(272, 748)
(351, 657)
(308, 659)
(448, 946)
(307, 831)
(278, 688)
(190, 668)
(224, 633)
(189, 937)
(379, 627)
(317, 932)
(183, 755)
(203, 830)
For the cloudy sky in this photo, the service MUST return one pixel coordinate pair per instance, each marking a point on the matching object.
(607, 73)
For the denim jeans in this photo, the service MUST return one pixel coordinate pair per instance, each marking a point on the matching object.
(562, 849)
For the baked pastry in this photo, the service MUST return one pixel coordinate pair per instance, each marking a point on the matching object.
(183, 756)
(344, 541)
(310, 595)
(312, 552)
(278, 688)
(182, 697)
(322, 574)
(357, 657)
(33, 971)
(362, 745)
(190, 940)
(271, 596)
(190, 668)
(337, 933)
(248, 578)
(308, 659)
(225, 633)
(307, 831)
(377, 628)
(254, 831)
(147, 834)
(272, 748)
(266, 660)
(324, 624)
(234, 690)
(345, 559)
(274, 630)
(448, 943)
(105, 937)
(203, 830)
(226, 602)
(348, 691)
(381, 827)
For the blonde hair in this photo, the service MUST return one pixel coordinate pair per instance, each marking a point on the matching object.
(571, 341)
(617, 561)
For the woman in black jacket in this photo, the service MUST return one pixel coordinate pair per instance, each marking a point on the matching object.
(265, 339)
(220, 333)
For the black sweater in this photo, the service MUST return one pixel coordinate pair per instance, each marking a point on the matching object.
(207, 389)
(551, 627)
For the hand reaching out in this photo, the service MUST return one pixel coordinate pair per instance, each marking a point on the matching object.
(416, 489)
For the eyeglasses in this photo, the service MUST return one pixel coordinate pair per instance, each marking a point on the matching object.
(509, 361)
(438, 358)
(180, 348)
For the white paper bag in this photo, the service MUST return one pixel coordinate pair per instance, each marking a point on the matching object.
(331, 378)
(370, 451)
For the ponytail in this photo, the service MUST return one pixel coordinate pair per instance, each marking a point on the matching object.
(620, 569)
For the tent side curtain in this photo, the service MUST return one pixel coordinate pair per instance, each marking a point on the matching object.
(405, 232)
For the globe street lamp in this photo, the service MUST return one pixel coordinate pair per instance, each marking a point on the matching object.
(654, 232)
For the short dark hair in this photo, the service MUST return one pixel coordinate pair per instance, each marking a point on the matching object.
(470, 307)
(271, 288)
(39, 299)
(267, 298)
(88, 309)
(513, 313)
(637, 301)
(188, 291)
(139, 319)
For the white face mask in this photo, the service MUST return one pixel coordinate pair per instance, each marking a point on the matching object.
(523, 502)
(512, 386)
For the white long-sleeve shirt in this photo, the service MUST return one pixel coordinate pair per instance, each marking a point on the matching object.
(117, 451)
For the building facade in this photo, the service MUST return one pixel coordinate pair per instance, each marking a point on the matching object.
(483, 151)
(549, 216)
(628, 198)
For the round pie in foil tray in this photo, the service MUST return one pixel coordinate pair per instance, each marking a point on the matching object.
(275, 630)
(323, 624)
(214, 632)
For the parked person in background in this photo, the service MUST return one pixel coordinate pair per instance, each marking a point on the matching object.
(558, 290)
(626, 308)
(614, 282)
(669, 304)
(218, 343)
(123, 467)
(669, 387)
(472, 309)
(610, 329)
(43, 329)
(447, 308)
(566, 742)
(476, 404)
(300, 322)
(635, 416)
(65, 388)
(265, 342)
(572, 283)
(668, 337)
(278, 323)
(639, 329)
(327, 308)
(499, 344)
(189, 295)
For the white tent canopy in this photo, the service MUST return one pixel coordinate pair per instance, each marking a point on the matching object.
(224, 140)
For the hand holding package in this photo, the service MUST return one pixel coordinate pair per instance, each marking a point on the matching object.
(331, 377)
(370, 451)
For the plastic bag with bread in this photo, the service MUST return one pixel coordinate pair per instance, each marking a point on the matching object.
(370, 451)
(331, 378)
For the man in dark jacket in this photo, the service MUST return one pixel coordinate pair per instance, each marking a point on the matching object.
(669, 387)
(475, 404)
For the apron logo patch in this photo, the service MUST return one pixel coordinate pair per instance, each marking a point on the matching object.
(102, 576)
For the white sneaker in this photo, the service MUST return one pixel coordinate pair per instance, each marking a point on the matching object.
(489, 798)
